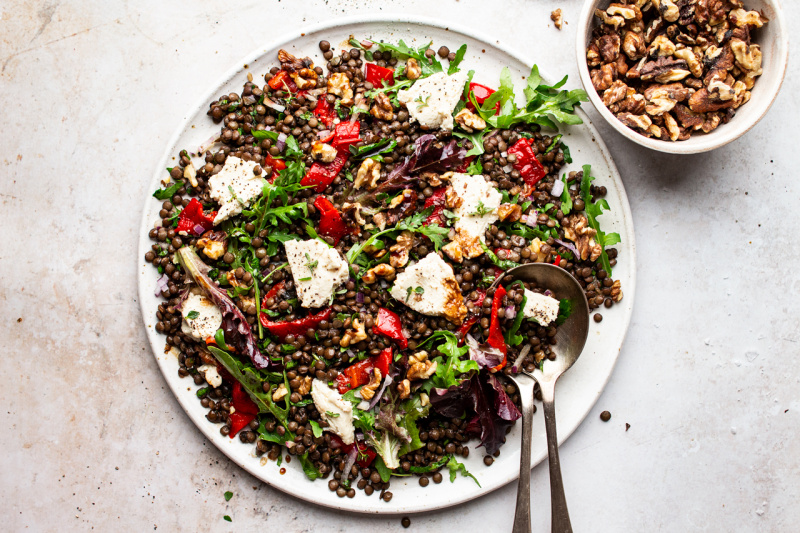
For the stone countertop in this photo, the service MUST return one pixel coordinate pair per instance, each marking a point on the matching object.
(90, 91)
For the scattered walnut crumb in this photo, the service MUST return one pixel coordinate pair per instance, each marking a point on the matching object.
(557, 17)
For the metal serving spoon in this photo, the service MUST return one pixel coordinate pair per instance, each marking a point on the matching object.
(570, 339)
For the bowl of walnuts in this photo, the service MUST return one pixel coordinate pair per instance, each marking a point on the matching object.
(682, 76)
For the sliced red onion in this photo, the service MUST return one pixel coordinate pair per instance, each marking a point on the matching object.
(360, 297)
(273, 104)
(351, 460)
(511, 312)
(558, 188)
(350, 353)
(207, 143)
(323, 134)
(281, 142)
(162, 284)
(533, 219)
(366, 44)
(508, 168)
(570, 247)
(518, 361)
(524, 219)
(503, 154)
(384, 283)
(198, 229)
(183, 296)
(386, 382)
(548, 292)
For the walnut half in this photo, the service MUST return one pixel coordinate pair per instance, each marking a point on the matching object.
(355, 335)
(368, 390)
(576, 229)
(419, 367)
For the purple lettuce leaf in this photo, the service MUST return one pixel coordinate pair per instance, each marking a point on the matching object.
(453, 401)
(238, 333)
(486, 356)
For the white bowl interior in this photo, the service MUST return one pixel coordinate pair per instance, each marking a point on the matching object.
(579, 389)
(773, 40)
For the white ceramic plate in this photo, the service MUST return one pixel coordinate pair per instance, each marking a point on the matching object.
(578, 390)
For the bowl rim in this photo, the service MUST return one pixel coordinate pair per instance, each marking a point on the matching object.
(706, 142)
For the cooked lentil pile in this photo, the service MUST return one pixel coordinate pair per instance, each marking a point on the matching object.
(671, 68)
(327, 261)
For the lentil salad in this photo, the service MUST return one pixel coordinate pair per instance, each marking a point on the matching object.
(270, 349)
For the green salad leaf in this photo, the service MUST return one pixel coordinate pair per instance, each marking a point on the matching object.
(593, 210)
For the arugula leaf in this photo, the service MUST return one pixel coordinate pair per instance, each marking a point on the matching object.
(373, 150)
(475, 167)
(593, 210)
(545, 104)
(452, 366)
(505, 264)
(308, 467)
(564, 310)
(315, 429)
(402, 51)
(566, 199)
(435, 233)
(383, 471)
(169, 192)
(453, 68)
(292, 148)
(356, 44)
(511, 336)
(264, 134)
(456, 467)
(476, 138)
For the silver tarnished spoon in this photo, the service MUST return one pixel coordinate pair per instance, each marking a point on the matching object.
(570, 340)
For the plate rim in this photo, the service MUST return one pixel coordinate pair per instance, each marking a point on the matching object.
(208, 430)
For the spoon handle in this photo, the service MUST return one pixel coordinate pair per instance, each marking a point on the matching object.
(558, 502)
(522, 515)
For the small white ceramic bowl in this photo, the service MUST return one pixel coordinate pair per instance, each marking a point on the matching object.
(774, 41)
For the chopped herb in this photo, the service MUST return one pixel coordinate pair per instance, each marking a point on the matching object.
(169, 192)
(202, 392)
(312, 264)
(564, 310)
(315, 429)
(482, 210)
(331, 414)
(227, 518)
(422, 103)
(228, 496)
(191, 315)
(305, 279)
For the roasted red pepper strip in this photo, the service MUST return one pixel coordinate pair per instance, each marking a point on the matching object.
(377, 75)
(192, 216)
(360, 373)
(481, 93)
(528, 166)
(239, 421)
(281, 81)
(436, 201)
(464, 164)
(557, 260)
(390, 325)
(276, 164)
(245, 410)
(496, 339)
(365, 455)
(330, 220)
(320, 175)
(325, 112)
(273, 292)
(294, 327)
(346, 133)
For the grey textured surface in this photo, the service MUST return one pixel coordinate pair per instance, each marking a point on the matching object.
(708, 379)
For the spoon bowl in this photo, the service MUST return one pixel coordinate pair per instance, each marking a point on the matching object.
(570, 339)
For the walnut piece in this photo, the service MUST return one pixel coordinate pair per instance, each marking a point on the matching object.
(382, 108)
(413, 70)
(536, 250)
(419, 367)
(463, 245)
(213, 243)
(469, 121)
(616, 291)
(616, 21)
(305, 78)
(509, 212)
(436, 180)
(633, 45)
(451, 199)
(354, 335)
(404, 389)
(368, 391)
(669, 11)
(305, 386)
(368, 174)
(339, 84)
(558, 18)
(400, 250)
(379, 271)
(190, 173)
(576, 229)
(279, 393)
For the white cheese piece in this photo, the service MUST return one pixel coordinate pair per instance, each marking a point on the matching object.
(334, 410)
(212, 376)
(237, 174)
(431, 100)
(315, 285)
(422, 286)
(208, 320)
(543, 309)
(480, 202)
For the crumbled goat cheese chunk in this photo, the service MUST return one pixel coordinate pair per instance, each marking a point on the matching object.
(429, 287)
(334, 410)
(431, 100)
(478, 209)
(236, 175)
(207, 321)
(212, 376)
(317, 270)
(543, 309)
